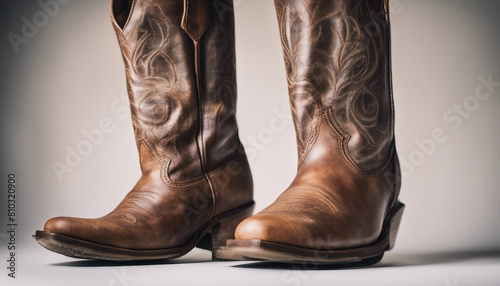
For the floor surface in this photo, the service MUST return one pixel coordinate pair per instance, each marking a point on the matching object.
(41, 267)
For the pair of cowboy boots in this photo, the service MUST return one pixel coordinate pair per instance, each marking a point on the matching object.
(196, 185)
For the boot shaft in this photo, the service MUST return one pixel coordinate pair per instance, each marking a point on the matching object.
(337, 55)
(180, 67)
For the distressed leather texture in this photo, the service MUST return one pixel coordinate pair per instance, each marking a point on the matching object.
(337, 58)
(180, 70)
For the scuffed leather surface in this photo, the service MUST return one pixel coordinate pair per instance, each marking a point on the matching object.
(340, 94)
(181, 111)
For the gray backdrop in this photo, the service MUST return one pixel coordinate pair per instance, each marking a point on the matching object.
(68, 77)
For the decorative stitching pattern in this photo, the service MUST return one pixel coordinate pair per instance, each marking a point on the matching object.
(335, 62)
(161, 94)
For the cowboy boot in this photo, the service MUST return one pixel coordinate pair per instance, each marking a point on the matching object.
(196, 184)
(343, 204)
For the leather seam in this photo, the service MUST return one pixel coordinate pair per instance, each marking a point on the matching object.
(343, 139)
(185, 18)
(190, 182)
(310, 141)
(393, 116)
(164, 169)
(186, 183)
(195, 37)
(196, 180)
(200, 140)
(151, 151)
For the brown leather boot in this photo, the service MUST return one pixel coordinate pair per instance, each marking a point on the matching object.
(343, 204)
(196, 184)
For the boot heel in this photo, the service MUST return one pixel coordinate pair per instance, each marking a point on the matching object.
(223, 231)
(394, 224)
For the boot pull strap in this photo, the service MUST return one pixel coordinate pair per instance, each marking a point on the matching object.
(195, 18)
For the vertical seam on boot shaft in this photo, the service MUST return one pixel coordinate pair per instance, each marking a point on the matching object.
(185, 15)
(200, 138)
(389, 68)
(196, 36)
(395, 194)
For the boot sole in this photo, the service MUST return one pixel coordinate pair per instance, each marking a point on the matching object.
(211, 236)
(256, 249)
